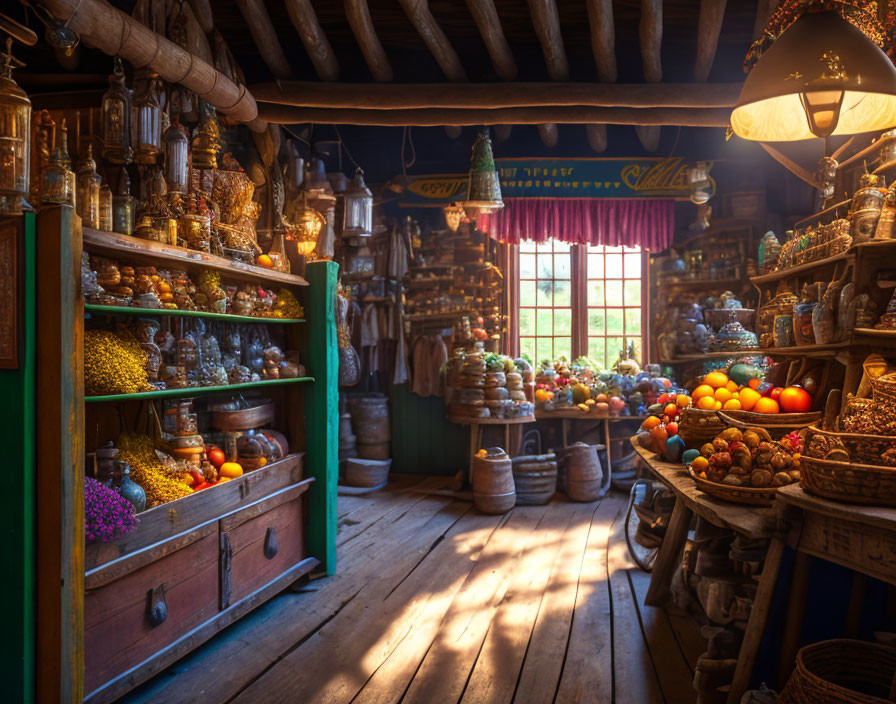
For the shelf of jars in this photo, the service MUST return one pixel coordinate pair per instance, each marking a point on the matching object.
(226, 317)
(190, 391)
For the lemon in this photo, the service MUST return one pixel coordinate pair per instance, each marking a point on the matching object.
(731, 405)
(722, 394)
(716, 379)
(701, 391)
(707, 403)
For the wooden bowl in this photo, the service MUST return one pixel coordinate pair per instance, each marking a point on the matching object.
(245, 419)
(750, 495)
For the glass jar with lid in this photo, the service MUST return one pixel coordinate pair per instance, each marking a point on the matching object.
(88, 191)
(117, 119)
(58, 181)
(15, 139)
(148, 127)
(177, 157)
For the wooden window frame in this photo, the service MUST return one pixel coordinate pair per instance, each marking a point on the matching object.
(578, 300)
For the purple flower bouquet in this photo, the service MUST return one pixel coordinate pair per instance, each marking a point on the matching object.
(106, 513)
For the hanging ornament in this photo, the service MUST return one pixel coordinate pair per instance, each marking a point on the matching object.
(308, 223)
(117, 119)
(454, 215)
(484, 186)
(15, 138)
(358, 217)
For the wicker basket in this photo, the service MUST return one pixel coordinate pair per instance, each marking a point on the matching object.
(697, 426)
(883, 389)
(735, 494)
(862, 448)
(841, 672)
(778, 425)
(849, 482)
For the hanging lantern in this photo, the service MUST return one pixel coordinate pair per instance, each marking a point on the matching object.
(117, 119)
(123, 206)
(358, 217)
(699, 182)
(148, 123)
(206, 140)
(484, 187)
(177, 158)
(454, 215)
(15, 139)
(58, 180)
(821, 77)
(88, 183)
(308, 223)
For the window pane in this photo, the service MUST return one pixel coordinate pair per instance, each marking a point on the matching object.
(614, 293)
(527, 321)
(597, 350)
(543, 295)
(527, 293)
(527, 266)
(595, 266)
(633, 266)
(633, 292)
(545, 265)
(563, 322)
(561, 266)
(614, 347)
(632, 321)
(562, 293)
(596, 293)
(613, 266)
(528, 246)
(544, 322)
(562, 347)
(615, 320)
(527, 347)
(636, 342)
(544, 348)
(596, 321)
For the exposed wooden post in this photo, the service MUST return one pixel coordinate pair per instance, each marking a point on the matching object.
(686, 117)
(603, 46)
(384, 96)
(547, 27)
(312, 35)
(358, 15)
(764, 10)
(436, 41)
(113, 32)
(650, 31)
(709, 25)
(489, 24)
(262, 30)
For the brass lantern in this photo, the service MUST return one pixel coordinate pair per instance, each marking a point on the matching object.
(117, 119)
(308, 223)
(358, 217)
(15, 139)
(177, 158)
(484, 186)
(821, 77)
(148, 123)
(88, 184)
(454, 215)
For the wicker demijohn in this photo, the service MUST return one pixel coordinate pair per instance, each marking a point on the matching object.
(841, 672)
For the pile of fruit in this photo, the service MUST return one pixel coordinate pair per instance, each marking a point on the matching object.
(718, 392)
(748, 458)
(659, 431)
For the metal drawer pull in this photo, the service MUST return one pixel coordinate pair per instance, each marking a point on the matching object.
(158, 609)
(270, 543)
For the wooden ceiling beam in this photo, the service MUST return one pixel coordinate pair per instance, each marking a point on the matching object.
(358, 15)
(203, 11)
(419, 14)
(547, 26)
(686, 117)
(304, 19)
(603, 46)
(387, 96)
(709, 26)
(486, 18)
(262, 30)
(650, 32)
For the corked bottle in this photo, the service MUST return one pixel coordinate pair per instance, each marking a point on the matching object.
(493, 487)
(583, 472)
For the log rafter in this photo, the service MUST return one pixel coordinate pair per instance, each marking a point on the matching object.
(709, 26)
(546, 20)
(265, 36)
(428, 117)
(419, 14)
(486, 18)
(304, 19)
(603, 46)
(358, 14)
(650, 32)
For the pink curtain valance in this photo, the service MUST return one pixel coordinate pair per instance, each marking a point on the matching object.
(648, 224)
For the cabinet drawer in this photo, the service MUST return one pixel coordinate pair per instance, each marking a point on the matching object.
(137, 605)
(261, 542)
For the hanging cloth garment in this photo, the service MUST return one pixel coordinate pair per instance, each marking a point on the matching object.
(370, 337)
(438, 356)
(402, 373)
(419, 353)
(399, 255)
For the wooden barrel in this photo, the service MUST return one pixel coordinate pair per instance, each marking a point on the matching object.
(493, 488)
(535, 479)
(370, 420)
(583, 472)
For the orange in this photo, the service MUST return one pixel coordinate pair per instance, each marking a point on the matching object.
(707, 403)
(754, 383)
(682, 400)
(722, 394)
(701, 391)
(650, 422)
(794, 399)
(748, 398)
(766, 405)
(231, 470)
(732, 386)
(731, 405)
(716, 379)
(699, 463)
(265, 261)
(717, 406)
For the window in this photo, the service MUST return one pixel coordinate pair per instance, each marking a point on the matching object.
(545, 312)
(579, 300)
(614, 302)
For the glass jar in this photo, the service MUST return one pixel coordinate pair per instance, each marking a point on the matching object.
(123, 207)
(128, 489)
(148, 123)
(117, 119)
(88, 191)
(15, 141)
(866, 206)
(177, 153)
(358, 217)
(106, 208)
(58, 182)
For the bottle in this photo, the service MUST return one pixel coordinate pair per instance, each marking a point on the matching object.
(105, 208)
(126, 487)
(123, 207)
(88, 191)
(56, 186)
(117, 119)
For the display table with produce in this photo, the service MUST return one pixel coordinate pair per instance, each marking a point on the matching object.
(512, 433)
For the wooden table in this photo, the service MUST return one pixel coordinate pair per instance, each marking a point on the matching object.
(512, 433)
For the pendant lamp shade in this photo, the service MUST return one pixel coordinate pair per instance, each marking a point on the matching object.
(484, 187)
(821, 77)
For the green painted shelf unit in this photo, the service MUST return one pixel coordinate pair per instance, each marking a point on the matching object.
(197, 390)
(149, 312)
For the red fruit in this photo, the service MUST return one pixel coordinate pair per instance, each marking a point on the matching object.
(658, 437)
(216, 457)
(672, 428)
(200, 487)
(793, 399)
(775, 393)
(765, 388)
(754, 383)
(671, 410)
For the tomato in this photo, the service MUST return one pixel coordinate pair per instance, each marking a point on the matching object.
(671, 410)
(216, 457)
(672, 428)
(794, 399)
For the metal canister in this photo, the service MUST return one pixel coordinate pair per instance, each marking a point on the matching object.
(866, 206)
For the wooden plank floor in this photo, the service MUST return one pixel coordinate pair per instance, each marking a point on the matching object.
(436, 603)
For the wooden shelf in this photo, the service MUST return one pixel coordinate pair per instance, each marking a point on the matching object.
(802, 269)
(197, 390)
(491, 421)
(119, 245)
(428, 267)
(687, 358)
(149, 312)
(829, 350)
(702, 283)
(830, 210)
(439, 316)
(431, 281)
(873, 336)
